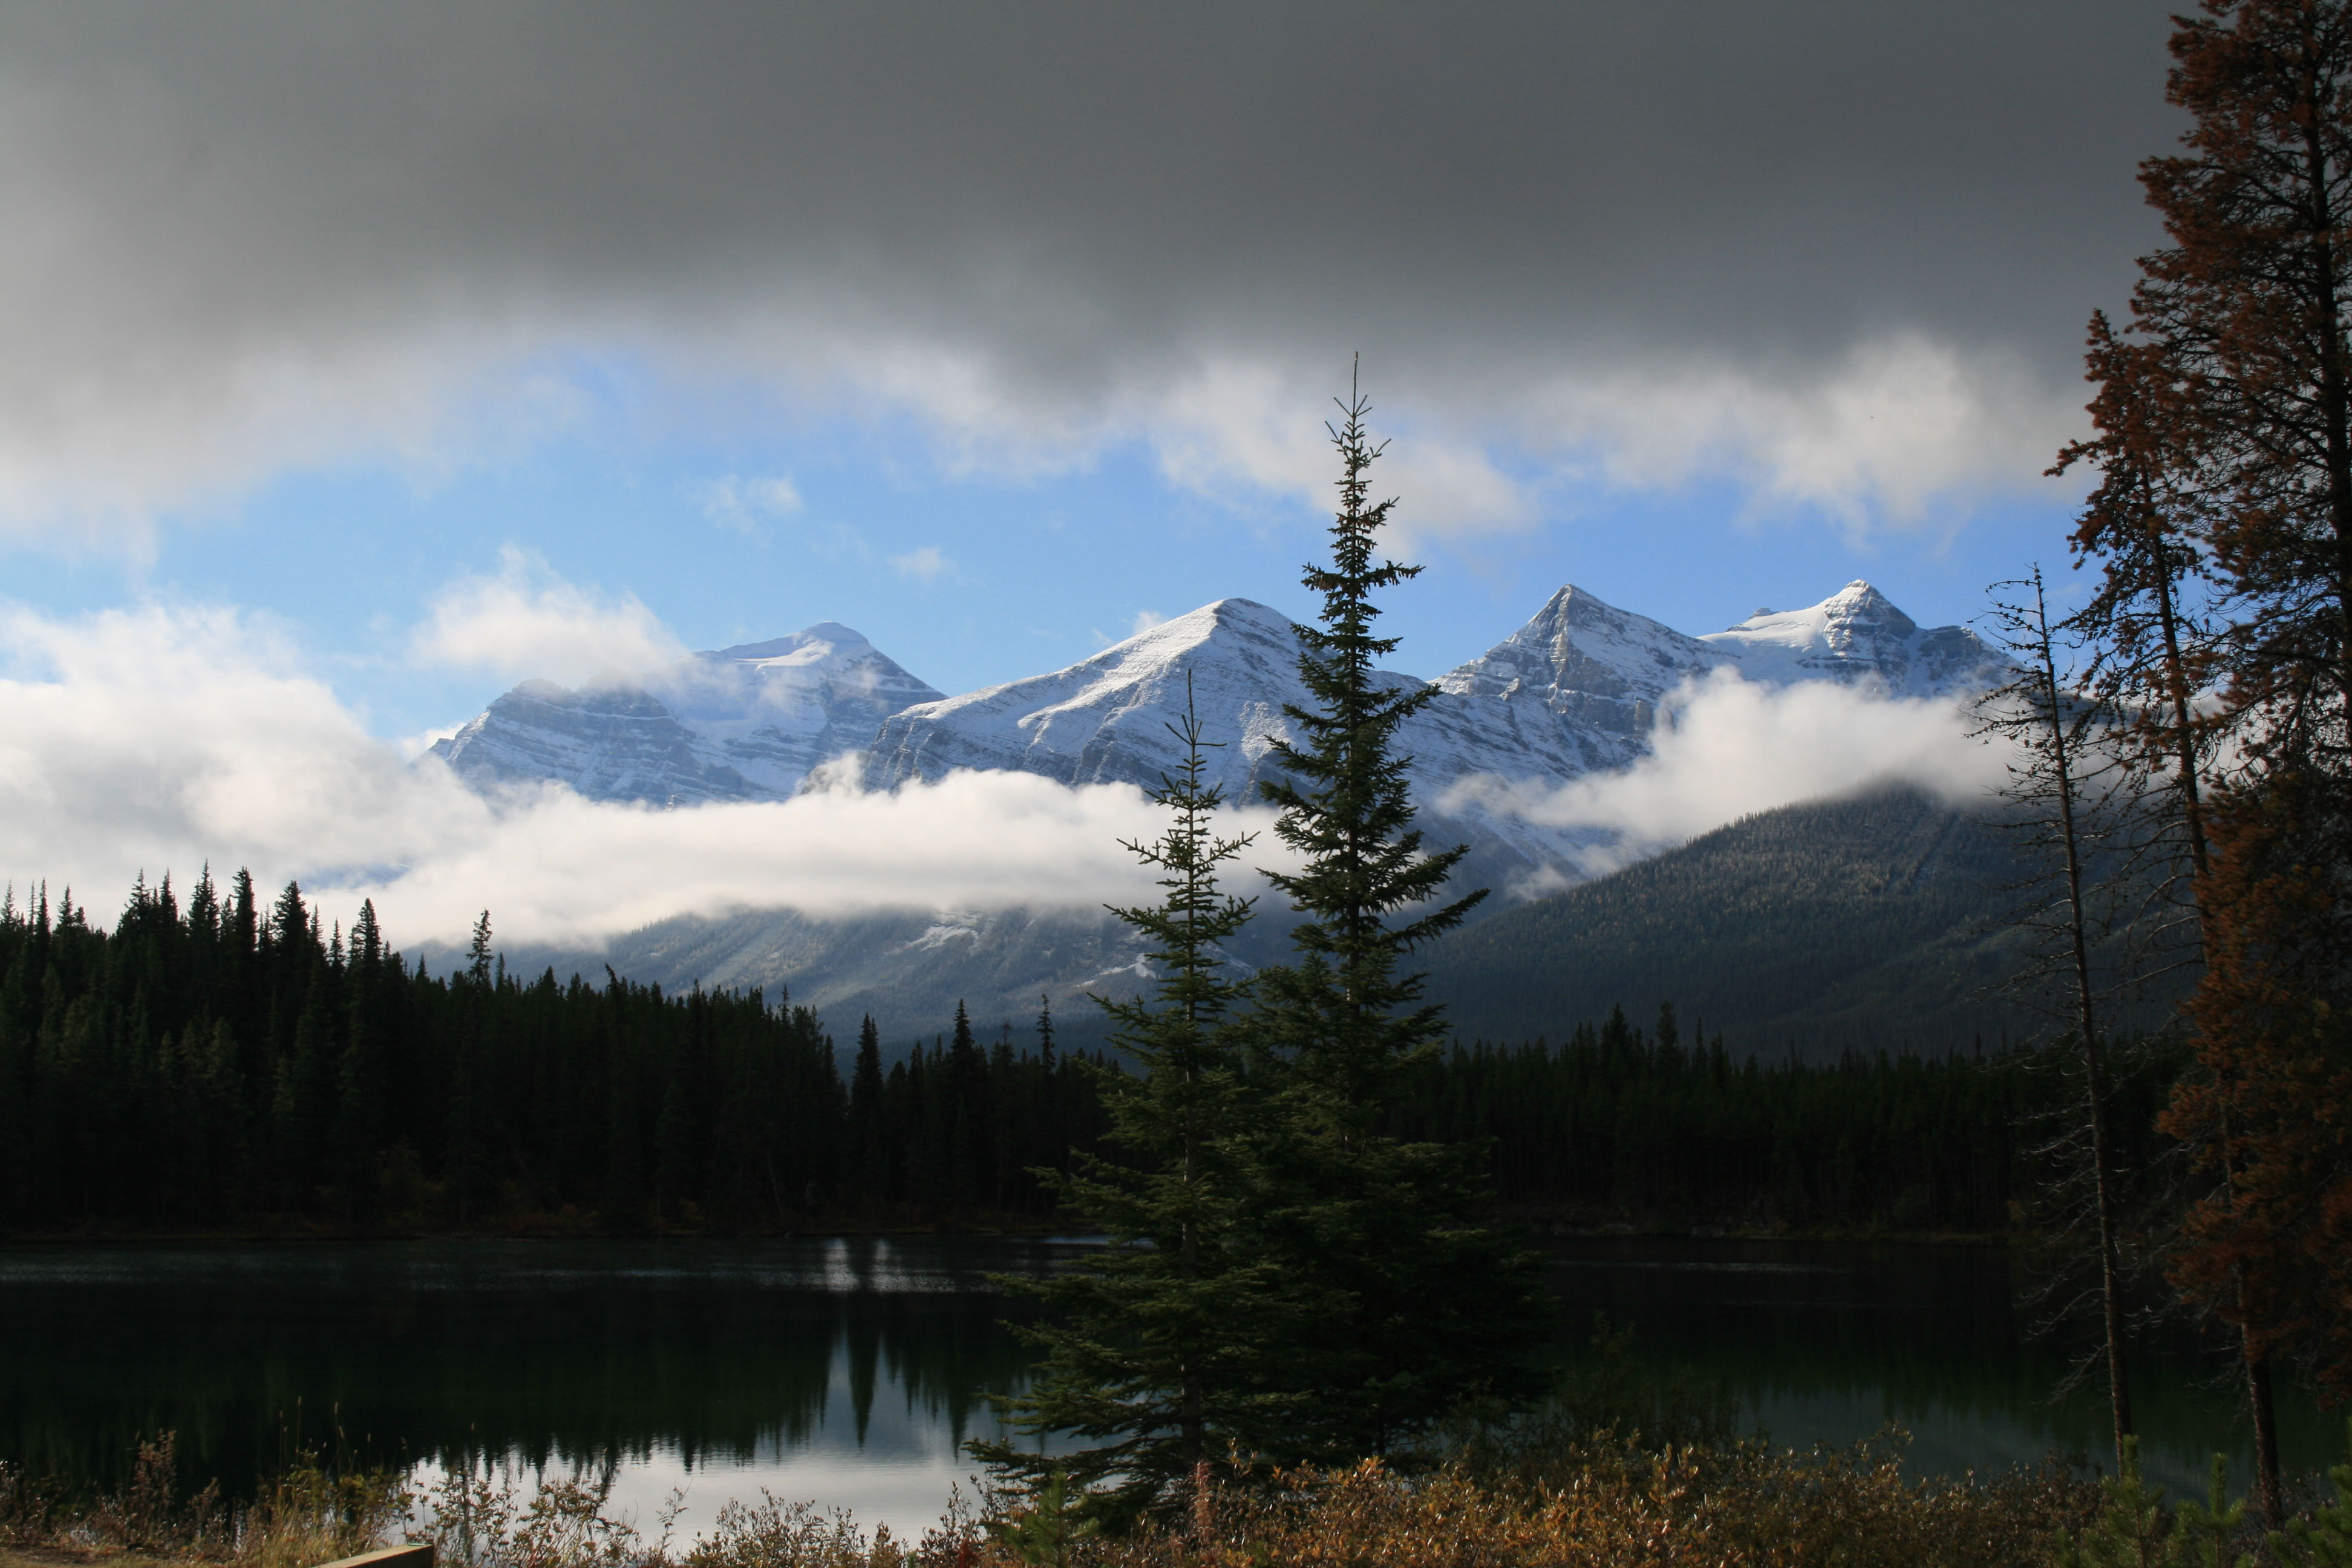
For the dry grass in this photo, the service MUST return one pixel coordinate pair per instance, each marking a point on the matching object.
(1612, 1506)
(78, 1557)
(306, 1517)
(1598, 1503)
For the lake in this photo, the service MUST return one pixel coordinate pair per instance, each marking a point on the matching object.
(848, 1371)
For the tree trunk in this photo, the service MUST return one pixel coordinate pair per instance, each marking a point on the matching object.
(2093, 1063)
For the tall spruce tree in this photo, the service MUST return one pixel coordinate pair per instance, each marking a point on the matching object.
(1156, 1354)
(1416, 1306)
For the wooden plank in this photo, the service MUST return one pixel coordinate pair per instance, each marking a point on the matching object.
(387, 1557)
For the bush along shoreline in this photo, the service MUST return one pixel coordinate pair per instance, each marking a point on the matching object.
(1525, 1494)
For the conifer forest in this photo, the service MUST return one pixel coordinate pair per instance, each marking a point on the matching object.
(216, 1061)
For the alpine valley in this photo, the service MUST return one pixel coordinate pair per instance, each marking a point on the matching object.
(1576, 690)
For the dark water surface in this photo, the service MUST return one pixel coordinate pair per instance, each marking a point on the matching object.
(848, 1370)
(1831, 1340)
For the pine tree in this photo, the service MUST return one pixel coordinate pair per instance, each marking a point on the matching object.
(1155, 1355)
(362, 1088)
(478, 954)
(1416, 1306)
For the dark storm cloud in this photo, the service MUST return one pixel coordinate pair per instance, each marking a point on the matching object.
(243, 234)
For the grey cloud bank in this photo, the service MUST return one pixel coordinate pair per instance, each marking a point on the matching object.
(244, 237)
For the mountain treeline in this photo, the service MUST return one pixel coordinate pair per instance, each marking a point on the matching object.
(219, 1061)
(202, 1064)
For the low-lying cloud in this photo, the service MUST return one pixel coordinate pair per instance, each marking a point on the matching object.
(161, 739)
(1724, 748)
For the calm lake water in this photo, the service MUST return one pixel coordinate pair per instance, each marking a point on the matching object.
(848, 1371)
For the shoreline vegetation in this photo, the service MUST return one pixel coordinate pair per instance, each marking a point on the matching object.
(1541, 1491)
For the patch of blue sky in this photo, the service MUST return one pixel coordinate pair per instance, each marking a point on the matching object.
(735, 520)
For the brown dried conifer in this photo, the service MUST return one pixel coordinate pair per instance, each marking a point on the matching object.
(2225, 417)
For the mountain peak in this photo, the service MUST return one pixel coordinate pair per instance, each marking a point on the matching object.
(1583, 658)
(1856, 637)
(746, 722)
(1105, 718)
(814, 642)
(1195, 625)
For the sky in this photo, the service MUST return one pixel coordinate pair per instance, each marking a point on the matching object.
(401, 352)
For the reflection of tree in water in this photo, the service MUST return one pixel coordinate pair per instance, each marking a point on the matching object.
(576, 1357)
(567, 1355)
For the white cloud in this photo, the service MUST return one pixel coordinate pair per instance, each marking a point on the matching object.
(1144, 621)
(159, 739)
(526, 622)
(731, 502)
(1875, 440)
(1724, 748)
(1889, 436)
(926, 562)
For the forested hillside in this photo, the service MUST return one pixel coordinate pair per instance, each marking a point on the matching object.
(1831, 926)
(1828, 926)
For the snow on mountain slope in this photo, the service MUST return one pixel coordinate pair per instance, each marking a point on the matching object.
(738, 724)
(1856, 636)
(1574, 691)
(1105, 718)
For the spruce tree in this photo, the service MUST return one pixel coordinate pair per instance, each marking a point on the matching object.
(1155, 1354)
(1417, 1306)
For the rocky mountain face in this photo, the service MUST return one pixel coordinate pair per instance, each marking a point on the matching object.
(739, 724)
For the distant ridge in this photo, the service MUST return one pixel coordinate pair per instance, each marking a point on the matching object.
(1838, 925)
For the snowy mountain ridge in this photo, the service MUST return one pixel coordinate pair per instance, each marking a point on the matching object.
(1575, 690)
(747, 723)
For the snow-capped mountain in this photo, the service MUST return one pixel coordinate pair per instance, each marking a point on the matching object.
(1575, 690)
(1856, 636)
(738, 724)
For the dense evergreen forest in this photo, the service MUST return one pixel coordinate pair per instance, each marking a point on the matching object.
(205, 1065)
(219, 1062)
(1623, 1124)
